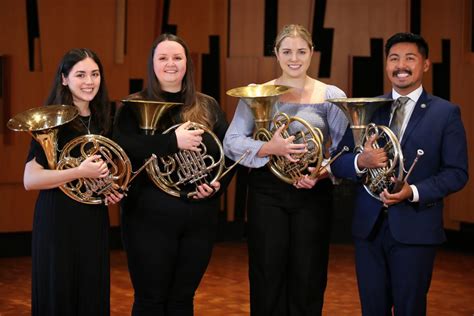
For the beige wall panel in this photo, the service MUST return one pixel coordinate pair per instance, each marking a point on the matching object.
(246, 28)
(442, 20)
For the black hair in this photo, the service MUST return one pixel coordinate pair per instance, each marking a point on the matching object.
(408, 38)
(99, 106)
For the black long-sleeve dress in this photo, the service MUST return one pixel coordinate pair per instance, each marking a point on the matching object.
(168, 239)
(70, 248)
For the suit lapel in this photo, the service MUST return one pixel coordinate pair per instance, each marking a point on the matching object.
(418, 112)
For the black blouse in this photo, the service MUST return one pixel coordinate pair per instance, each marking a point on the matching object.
(139, 147)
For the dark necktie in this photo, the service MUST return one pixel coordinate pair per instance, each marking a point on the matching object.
(398, 115)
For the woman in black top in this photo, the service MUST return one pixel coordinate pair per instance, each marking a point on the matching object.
(168, 239)
(70, 254)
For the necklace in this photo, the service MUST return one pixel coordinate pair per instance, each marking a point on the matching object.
(88, 124)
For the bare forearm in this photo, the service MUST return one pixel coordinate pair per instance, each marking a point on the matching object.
(37, 178)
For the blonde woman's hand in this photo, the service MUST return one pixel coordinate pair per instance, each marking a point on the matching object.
(284, 146)
(306, 181)
(188, 139)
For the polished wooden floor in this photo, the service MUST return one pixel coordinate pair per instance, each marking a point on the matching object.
(224, 289)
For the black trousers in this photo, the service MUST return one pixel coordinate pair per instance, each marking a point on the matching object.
(168, 243)
(288, 244)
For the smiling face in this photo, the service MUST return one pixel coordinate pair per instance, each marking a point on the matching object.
(405, 67)
(169, 65)
(83, 81)
(294, 55)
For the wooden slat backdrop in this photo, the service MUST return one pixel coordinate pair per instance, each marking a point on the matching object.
(442, 21)
(67, 23)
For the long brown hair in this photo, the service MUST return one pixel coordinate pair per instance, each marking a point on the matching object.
(196, 105)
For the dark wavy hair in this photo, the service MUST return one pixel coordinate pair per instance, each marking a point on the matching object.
(408, 38)
(196, 105)
(99, 106)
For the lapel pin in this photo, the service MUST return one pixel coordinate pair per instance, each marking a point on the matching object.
(423, 105)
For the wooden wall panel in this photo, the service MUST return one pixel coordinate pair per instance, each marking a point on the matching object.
(195, 29)
(355, 23)
(142, 19)
(63, 25)
(84, 27)
(25, 91)
(68, 23)
(246, 28)
(448, 21)
(240, 71)
(295, 12)
(16, 213)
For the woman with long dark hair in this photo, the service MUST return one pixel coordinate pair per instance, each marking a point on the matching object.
(70, 251)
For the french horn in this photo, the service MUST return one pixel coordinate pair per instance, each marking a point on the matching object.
(261, 100)
(359, 112)
(180, 173)
(43, 123)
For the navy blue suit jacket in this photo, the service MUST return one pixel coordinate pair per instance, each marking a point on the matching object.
(435, 126)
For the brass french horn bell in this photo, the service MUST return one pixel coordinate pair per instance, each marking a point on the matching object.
(261, 100)
(149, 113)
(359, 112)
(43, 123)
(174, 173)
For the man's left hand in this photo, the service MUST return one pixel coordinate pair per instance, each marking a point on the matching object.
(394, 198)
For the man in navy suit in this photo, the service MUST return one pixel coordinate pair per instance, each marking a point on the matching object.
(396, 237)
